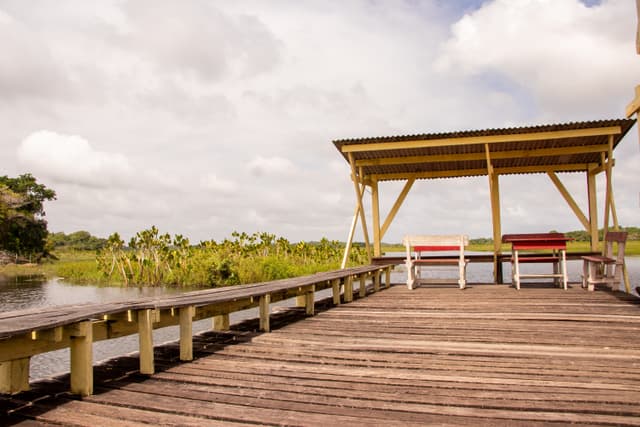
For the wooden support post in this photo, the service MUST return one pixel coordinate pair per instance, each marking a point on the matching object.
(145, 338)
(310, 301)
(186, 333)
(301, 300)
(348, 288)
(593, 208)
(362, 289)
(221, 322)
(335, 288)
(376, 280)
(494, 189)
(375, 212)
(359, 192)
(265, 300)
(81, 349)
(387, 277)
(352, 230)
(14, 376)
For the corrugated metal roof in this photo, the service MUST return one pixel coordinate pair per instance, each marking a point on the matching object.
(531, 149)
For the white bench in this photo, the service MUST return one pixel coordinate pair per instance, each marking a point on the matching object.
(420, 244)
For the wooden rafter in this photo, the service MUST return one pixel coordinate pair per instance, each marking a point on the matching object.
(485, 139)
(512, 154)
(480, 172)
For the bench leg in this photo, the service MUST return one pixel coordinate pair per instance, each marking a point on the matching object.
(564, 270)
(592, 275)
(411, 276)
(585, 272)
(463, 274)
(516, 270)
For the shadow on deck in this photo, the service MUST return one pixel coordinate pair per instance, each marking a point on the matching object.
(487, 355)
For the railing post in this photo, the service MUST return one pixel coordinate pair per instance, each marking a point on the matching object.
(362, 290)
(376, 281)
(348, 288)
(14, 376)
(265, 300)
(335, 287)
(186, 333)
(81, 346)
(145, 332)
(387, 277)
(221, 322)
(310, 301)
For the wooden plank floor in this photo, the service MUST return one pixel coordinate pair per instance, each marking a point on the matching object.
(487, 355)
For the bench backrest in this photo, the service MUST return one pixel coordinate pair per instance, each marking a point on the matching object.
(419, 243)
(619, 237)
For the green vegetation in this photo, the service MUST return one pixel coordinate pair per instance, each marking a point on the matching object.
(79, 241)
(23, 230)
(152, 258)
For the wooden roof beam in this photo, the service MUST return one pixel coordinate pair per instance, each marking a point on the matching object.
(496, 155)
(484, 139)
(480, 172)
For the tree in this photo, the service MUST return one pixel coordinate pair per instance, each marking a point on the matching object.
(23, 229)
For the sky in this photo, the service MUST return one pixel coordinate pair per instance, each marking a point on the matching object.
(204, 117)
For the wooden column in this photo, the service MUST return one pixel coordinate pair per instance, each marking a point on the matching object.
(301, 300)
(265, 300)
(335, 288)
(359, 192)
(145, 338)
(362, 290)
(494, 189)
(186, 333)
(348, 288)
(593, 207)
(81, 349)
(310, 301)
(387, 277)
(14, 376)
(221, 322)
(376, 280)
(375, 211)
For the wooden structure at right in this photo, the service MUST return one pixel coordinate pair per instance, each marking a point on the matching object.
(581, 147)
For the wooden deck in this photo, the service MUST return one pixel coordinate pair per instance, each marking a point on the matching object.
(487, 355)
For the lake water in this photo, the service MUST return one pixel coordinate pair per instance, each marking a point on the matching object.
(38, 293)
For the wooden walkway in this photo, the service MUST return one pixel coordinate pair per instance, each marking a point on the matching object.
(487, 355)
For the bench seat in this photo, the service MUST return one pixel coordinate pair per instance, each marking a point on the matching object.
(417, 245)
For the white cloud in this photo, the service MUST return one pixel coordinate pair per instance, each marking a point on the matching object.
(71, 159)
(265, 166)
(563, 53)
(212, 182)
(219, 116)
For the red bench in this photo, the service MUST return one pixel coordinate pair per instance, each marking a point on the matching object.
(534, 248)
(418, 245)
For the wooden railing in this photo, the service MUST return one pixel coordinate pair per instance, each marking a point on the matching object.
(26, 333)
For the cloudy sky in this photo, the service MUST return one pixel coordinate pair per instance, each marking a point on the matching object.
(204, 117)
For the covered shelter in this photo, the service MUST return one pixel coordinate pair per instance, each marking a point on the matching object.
(579, 147)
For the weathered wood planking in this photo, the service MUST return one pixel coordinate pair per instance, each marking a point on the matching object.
(29, 332)
(484, 356)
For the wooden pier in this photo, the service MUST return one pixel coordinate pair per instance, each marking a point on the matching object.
(486, 355)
